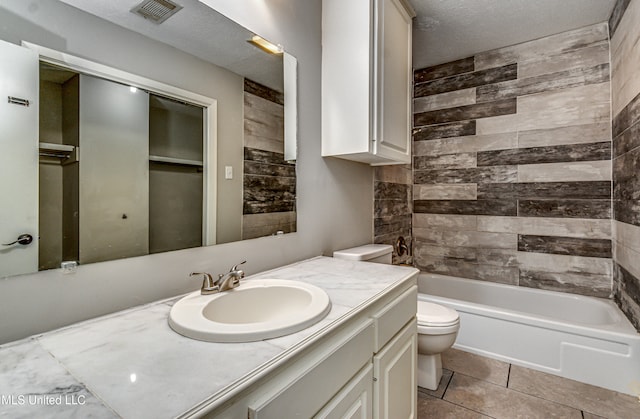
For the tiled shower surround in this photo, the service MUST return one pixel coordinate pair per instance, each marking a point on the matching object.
(625, 89)
(392, 208)
(512, 165)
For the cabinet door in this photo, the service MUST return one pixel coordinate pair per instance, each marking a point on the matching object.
(394, 368)
(346, 78)
(18, 158)
(114, 171)
(392, 138)
(354, 401)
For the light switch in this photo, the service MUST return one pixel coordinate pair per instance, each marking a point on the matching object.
(228, 172)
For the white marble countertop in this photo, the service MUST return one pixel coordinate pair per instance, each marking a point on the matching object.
(130, 364)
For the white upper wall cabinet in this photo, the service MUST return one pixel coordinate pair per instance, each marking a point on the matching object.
(366, 80)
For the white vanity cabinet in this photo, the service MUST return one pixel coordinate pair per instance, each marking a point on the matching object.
(365, 368)
(354, 400)
(366, 80)
(395, 387)
(395, 360)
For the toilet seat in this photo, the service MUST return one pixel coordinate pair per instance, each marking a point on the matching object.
(434, 315)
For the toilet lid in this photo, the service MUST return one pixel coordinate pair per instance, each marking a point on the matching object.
(430, 314)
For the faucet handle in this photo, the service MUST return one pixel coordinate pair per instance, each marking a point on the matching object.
(208, 285)
(235, 268)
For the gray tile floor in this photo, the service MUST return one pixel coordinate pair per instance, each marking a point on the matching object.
(473, 386)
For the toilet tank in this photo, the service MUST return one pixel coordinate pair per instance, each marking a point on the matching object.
(378, 253)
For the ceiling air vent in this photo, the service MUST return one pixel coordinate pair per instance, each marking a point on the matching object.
(156, 11)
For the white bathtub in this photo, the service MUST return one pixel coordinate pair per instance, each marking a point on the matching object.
(582, 338)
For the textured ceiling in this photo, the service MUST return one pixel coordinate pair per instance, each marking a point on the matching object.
(446, 30)
(198, 30)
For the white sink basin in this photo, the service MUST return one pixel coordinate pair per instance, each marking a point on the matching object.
(255, 310)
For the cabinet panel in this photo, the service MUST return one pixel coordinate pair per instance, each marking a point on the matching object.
(395, 386)
(394, 82)
(346, 76)
(395, 315)
(354, 401)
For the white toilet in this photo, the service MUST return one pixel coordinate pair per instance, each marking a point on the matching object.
(437, 331)
(437, 325)
(378, 253)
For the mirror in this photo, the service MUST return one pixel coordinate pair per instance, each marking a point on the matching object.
(243, 184)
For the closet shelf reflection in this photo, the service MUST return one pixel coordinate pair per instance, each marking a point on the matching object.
(62, 151)
(172, 160)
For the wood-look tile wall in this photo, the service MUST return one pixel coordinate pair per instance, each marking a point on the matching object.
(392, 209)
(625, 86)
(269, 182)
(512, 165)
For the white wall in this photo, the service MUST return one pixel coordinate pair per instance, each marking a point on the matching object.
(335, 197)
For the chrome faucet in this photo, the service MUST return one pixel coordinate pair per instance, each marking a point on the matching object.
(231, 279)
(225, 282)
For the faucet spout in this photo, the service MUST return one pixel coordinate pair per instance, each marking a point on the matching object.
(231, 279)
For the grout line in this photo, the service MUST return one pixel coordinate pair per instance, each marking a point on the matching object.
(459, 405)
(547, 400)
(524, 393)
(577, 407)
(447, 386)
(540, 397)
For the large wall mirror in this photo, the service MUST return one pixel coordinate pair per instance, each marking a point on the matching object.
(177, 130)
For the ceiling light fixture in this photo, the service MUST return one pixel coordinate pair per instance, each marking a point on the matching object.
(265, 45)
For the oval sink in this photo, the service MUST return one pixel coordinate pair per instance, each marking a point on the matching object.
(257, 309)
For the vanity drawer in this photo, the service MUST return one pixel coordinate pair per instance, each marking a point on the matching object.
(394, 316)
(355, 400)
(316, 385)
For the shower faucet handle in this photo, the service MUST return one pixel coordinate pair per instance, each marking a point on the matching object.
(401, 246)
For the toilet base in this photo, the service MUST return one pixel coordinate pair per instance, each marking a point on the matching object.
(429, 371)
